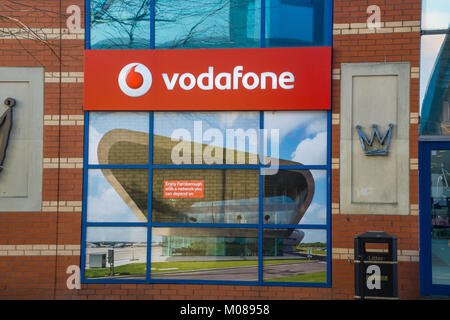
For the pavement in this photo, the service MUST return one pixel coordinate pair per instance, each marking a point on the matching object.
(249, 273)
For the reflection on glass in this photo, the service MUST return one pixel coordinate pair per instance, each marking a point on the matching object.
(298, 23)
(295, 197)
(116, 253)
(294, 255)
(207, 24)
(117, 195)
(118, 138)
(205, 138)
(435, 61)
(120, 24)
(205, 196)
(435, 15)
(430, 46)
(227, 254)
(440, 216)
(302, 136)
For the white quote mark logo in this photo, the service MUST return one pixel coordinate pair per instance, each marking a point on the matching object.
(135, 79)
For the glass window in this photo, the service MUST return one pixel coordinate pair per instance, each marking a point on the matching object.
(302, 136)
(207, 24)
(440, 216)
(435, 14)
(220, 254)
(205, 196)
(116, 253)
(298, 23)
(434, 89)
(295, 255)
(295, 197)
(117, 195)
(120, 24)
(209, 215)
(206, 138)
(118, 138)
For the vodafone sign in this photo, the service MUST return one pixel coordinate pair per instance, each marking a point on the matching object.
(208, 79)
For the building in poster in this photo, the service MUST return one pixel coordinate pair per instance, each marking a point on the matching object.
(185, 146)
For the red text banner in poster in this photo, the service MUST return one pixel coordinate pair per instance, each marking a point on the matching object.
(208, 79)
(183, 189)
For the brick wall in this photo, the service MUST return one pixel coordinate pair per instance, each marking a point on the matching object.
(37, 247)
(397, 40)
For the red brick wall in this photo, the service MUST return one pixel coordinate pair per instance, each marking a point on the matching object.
(34, 277)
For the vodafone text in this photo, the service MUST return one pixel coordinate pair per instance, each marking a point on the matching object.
(230, 81)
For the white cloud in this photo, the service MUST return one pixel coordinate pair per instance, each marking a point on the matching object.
(434, 20)
(312, 151)
(288, 121)
(135, 234)
(318, 174)
(430, 48)
(315, 214)
(315, 126)
(105, 204)
(228, 119)
(94, 139)
(314, 236)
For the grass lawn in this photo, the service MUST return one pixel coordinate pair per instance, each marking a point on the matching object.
(139, 268)
(127, 269)
(317, 252)
(308, 277)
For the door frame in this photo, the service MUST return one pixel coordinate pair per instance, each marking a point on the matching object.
(426, 144)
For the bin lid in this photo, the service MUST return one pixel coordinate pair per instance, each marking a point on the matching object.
(375, 235)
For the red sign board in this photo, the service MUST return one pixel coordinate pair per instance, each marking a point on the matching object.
(183, 189)
(208, 79)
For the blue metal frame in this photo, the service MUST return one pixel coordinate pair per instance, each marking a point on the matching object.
(87, 24)
(150, 167)
(426, 285)
(149, 224)
(87, 8)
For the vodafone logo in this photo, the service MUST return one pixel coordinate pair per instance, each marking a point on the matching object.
(295, 78)
(135, 79)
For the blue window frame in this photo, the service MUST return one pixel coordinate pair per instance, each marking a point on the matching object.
(124, 210)
(434, 266)
(138, 230)
(172, 24)
(433, 146)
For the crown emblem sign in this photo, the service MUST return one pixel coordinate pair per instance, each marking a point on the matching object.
(378, 148)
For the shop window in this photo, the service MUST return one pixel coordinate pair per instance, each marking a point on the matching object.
(116, 253)
(435, 68)
(435, 15)
(118, 138)
(220, 254)
(207, 220)
(205, 196)
(174, 24)
(295, 256)
(295, 197)
(120, 24)
(302, 139)
(207, 24)
(206, 138)
(117, 195)
(290, 23)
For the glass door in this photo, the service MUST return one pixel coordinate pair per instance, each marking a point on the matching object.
(435, 217)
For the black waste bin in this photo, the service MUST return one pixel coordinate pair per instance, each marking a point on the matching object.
(376, 266)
